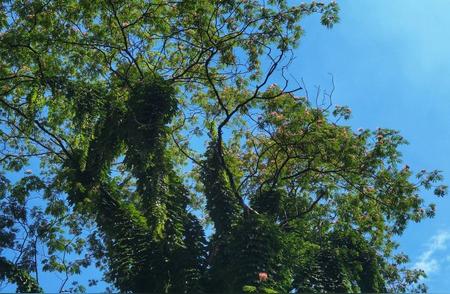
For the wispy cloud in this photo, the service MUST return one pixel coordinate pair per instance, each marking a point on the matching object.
(427, 260)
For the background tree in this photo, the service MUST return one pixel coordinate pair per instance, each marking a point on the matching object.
(115, 99)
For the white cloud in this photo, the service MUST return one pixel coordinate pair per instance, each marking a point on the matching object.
(427, 261)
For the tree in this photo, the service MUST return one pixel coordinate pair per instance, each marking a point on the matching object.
(114, 99)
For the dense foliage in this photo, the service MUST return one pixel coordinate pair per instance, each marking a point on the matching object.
(170, 160)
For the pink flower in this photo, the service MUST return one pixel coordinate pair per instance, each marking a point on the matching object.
(263, 276)
(369, 190)
(276, 115)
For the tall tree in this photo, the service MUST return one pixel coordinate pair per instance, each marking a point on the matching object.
(116, 101)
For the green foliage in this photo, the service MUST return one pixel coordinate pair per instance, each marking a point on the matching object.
(143, 231)
(345, 262)
(222, 204)
(112, 98)
(25, 283)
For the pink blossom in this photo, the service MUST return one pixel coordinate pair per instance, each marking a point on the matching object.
(263, 276)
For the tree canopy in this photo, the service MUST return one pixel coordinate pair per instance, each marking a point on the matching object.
(177, 157)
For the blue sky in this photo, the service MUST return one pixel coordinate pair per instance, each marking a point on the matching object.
(391, 64)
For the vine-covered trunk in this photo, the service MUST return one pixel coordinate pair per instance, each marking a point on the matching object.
(152, 244)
